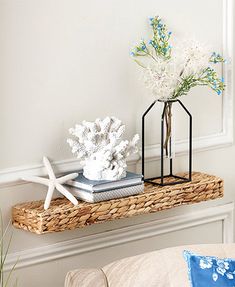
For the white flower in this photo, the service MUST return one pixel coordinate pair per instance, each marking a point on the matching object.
(229, 276)
(221, 271)
(215, 276)
(194, 57)
(222, 267)
(205, 263)
(161, 77)
(222, 264)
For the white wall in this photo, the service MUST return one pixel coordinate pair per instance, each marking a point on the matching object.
(65, 61)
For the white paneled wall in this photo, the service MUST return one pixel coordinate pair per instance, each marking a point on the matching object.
(65, 61)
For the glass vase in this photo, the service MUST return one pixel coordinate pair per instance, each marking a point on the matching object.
(167, 144)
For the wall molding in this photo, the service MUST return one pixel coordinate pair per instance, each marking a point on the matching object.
(11, 176)
(123, 235)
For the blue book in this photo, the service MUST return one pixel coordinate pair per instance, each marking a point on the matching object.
(103, 185)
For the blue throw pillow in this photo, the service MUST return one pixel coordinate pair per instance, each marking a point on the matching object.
(208, 271)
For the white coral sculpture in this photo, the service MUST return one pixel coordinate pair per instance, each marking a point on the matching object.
(100, 148)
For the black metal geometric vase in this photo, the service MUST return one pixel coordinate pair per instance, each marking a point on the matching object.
(166, 149)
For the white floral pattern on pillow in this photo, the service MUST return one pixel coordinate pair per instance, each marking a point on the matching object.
(207, 271)
(220, 268)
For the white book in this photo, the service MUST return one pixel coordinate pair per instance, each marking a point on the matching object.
(106, 195)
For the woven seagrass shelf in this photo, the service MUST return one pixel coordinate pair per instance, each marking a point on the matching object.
(63, 215)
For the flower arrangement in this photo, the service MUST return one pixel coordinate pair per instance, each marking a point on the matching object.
(169, 73)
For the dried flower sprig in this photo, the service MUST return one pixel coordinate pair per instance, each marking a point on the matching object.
(216, 58)
(208, 77)
(161, 37)
(159, 42)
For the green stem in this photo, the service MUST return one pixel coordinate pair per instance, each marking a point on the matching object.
(139, 63)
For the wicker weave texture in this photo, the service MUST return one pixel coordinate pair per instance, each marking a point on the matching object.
(62, 215)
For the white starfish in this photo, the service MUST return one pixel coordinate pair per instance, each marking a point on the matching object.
(53, 183)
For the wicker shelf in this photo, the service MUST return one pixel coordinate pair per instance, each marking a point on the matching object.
(62, 215)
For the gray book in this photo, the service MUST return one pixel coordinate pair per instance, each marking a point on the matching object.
(102, 185)
(92, 197)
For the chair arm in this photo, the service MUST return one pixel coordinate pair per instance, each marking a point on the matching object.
(86, 278)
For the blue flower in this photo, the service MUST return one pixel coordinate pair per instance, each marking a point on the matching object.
(143, 47)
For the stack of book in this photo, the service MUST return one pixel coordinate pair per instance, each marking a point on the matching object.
(95, 191)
